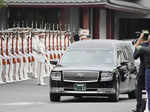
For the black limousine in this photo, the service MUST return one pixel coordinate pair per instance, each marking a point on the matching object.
(94, 68)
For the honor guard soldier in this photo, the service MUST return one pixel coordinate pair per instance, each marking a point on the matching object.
(40, 56)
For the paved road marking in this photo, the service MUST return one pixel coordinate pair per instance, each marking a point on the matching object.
(22, 103)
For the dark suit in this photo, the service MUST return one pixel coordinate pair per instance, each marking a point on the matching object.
(140, 78)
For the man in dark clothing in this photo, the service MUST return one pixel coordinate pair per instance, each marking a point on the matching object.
(144, 52)
(140, 76)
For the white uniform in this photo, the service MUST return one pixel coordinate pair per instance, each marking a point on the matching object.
(40, 57)
(21, 69)
(25, 64)
(1, 57)
(1, 69)
(47, 69)
(11, 63)
(34, 53)
(6, 66)
(27, 54)
(16, 68)
(13, 56)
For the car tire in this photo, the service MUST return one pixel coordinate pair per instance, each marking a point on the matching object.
(115, 97)
(132, 95)
(54, 97)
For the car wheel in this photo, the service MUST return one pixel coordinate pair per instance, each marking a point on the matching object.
(115, 97)
(54, 97)
(132, 95)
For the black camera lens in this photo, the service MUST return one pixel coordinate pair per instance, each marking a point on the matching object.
(145, 36)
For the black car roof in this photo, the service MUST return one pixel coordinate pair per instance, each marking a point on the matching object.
(96, 43)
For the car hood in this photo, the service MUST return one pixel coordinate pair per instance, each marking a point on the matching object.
(84, 68)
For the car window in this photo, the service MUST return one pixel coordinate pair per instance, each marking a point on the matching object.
(125, 55)
(87, 57)
(130, 53)
(118, 60)
(122, 56)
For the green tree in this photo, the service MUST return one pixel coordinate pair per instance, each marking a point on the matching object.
(2, 3)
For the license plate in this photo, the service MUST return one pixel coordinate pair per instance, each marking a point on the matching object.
(80, 87)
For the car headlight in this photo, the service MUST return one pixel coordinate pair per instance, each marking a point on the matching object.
(56, 76)
(106, 76)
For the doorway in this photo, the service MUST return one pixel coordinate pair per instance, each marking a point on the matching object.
(129, 27)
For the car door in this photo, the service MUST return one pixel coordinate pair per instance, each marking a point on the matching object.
(132, 68)
(123, 71)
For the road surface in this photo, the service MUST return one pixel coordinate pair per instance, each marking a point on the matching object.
(27, 96)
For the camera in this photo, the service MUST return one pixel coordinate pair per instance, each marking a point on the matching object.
(146, 34)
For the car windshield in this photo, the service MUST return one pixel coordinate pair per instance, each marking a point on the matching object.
(87, 57)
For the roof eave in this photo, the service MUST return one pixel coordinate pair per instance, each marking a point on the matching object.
(109, 5)
(128, 9)
(53, 4)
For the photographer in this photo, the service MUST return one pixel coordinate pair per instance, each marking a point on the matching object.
(141, 74)
(144, 52)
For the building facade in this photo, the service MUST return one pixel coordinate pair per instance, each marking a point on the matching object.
(105, 19)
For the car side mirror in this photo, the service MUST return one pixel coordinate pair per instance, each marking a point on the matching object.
(53, 62)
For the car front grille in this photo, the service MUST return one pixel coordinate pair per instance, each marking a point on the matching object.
(80, 76)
